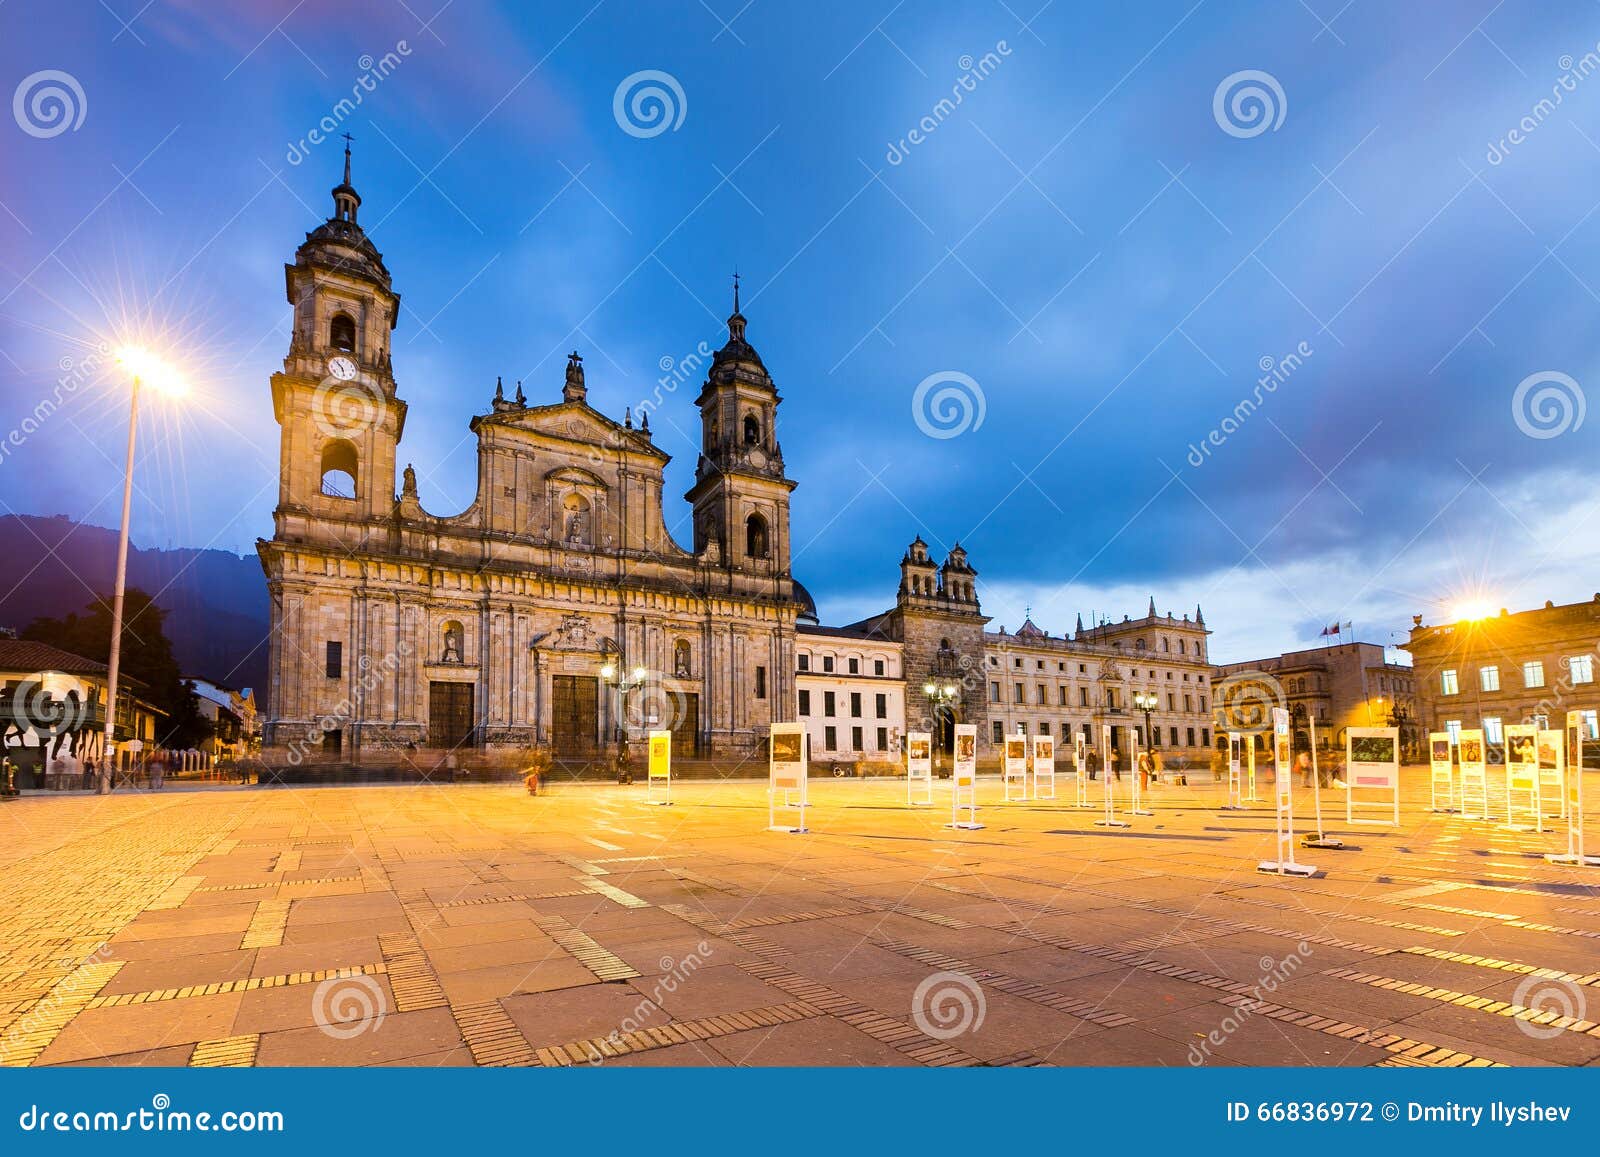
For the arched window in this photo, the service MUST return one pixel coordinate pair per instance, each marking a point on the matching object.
(575, 520)
(340, 471)
(680, 659)
(342, 332)
(752, 430)
(755, 536)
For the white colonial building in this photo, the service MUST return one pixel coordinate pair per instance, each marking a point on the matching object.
(933, 656)
(850, 693)
(1149, 674)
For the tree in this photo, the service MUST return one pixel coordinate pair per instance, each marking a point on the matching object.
(147, 660)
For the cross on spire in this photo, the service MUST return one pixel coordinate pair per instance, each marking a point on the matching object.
(345, 198)
(735, 291)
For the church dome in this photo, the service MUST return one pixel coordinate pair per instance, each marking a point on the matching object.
(808, 606)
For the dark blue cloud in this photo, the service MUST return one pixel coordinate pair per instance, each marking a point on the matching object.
(1077, 234)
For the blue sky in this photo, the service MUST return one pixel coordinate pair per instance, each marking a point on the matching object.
(1081, 237)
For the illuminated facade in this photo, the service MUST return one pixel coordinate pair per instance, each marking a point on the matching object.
(1508, 668)
(522, 619)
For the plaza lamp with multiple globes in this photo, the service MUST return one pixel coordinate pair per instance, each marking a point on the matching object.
(144, 369)
(613, 677)
(937, 697)
(1147, 702)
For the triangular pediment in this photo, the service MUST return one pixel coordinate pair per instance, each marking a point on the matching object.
(576, 423)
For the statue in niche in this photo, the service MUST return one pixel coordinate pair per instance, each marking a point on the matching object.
(680, 659)
(452, 644)
(576, 519)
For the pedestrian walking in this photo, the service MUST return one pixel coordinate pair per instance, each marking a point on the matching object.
(1094, 764)
(1302, 764)
(1144, 771)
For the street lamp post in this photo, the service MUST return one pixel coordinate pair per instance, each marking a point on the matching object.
(937, 696)
(145, 369)
(612, 674)
(1147, 702)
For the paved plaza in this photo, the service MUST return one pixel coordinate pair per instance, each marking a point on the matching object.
(476, 925)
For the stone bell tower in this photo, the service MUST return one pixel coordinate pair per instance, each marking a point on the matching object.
(335, 400)
(741, 494)
(937, 616)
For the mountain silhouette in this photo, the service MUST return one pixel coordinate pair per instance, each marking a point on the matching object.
(216, 600)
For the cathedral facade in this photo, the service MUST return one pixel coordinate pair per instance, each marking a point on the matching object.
(556, 609)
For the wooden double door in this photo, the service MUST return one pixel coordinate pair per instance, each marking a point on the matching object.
(574, 714)
(449, 715)
(686, 725)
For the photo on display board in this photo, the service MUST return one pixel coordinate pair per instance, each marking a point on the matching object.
(966, 747)
(1372, 749)
(786, 747)
(1549, 751)
(1441, 750)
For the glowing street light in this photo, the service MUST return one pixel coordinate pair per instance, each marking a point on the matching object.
(144, 368)
(148, 369)
(941, 703)
(1147, 702)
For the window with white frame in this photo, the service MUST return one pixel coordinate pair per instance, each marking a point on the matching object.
(1449, 684)
(1533, 673)
(1581, 667)
(1489, 678)
(1493, 729)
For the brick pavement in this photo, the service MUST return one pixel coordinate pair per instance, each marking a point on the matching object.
(477, 926)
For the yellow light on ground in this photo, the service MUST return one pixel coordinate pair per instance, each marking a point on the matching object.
(151, 370)
(1470, 610)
